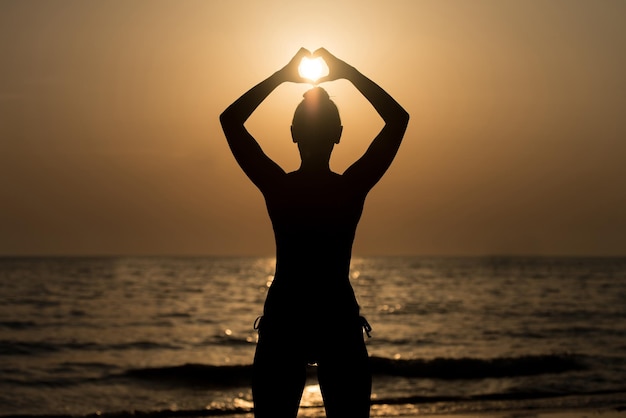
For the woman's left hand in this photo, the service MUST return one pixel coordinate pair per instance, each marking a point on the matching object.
(290, 71)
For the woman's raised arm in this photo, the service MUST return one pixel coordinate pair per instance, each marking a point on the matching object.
(247, 151)
(374, 163)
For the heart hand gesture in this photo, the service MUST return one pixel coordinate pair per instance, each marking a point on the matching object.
(296, 72)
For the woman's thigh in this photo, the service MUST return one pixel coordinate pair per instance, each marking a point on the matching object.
(345, 378)
(278, 379)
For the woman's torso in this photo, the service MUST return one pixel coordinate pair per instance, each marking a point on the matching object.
(314, 218)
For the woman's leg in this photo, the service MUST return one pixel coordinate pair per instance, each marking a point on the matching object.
(345, 377)
(279, 376)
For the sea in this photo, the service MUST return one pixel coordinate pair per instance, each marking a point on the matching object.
(174, 336)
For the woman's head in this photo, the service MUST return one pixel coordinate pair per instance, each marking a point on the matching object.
(316, 120)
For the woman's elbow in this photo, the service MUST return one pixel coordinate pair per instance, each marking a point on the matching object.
(404, 115)
(229, 121)
(226, 118)
(401, 118)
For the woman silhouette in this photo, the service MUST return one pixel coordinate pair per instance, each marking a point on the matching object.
(311, 314)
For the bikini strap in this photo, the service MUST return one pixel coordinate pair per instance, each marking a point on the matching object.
(257, 323)
(366, 326)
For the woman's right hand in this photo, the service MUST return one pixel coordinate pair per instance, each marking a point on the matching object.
(290, 71)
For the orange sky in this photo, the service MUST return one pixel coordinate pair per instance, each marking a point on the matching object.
(110, 141)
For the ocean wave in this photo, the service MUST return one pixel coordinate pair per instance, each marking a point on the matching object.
(17, 325)
(194, 374)
(440, 368)
(240, 375)
(472, 368)
(10, 348)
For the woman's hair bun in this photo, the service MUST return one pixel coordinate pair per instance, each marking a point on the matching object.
(316, 93)
(317, 108)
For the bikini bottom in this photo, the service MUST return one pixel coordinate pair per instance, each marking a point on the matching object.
(311, 341)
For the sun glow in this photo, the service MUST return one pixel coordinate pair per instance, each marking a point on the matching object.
(313, 68)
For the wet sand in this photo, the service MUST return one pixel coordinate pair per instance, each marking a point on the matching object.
(575, 413)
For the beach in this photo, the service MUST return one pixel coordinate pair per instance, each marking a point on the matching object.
(579, 413)
(614, 412)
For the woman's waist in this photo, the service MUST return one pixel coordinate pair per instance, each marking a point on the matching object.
(313, 313)
(307, 285)
(297, 296)
(313, 269)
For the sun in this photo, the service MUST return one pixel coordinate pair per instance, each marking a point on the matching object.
(313, 68)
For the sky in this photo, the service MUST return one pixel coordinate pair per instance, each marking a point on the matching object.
(110, 141)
